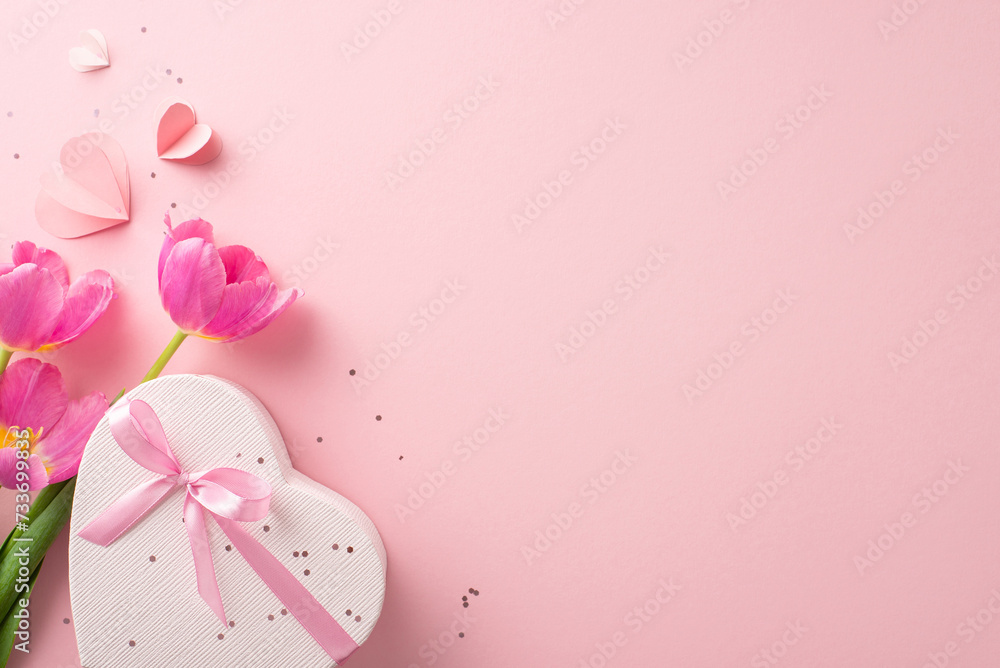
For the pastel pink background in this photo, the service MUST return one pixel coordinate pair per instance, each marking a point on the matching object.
(322, 180)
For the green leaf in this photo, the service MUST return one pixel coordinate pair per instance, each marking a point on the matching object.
(9, 626)
(41, 502)
(42, 532)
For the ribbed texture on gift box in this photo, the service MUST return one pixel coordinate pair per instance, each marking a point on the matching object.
(131, 611)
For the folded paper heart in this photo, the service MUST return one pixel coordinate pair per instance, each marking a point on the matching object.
(87, 190)
(92, 54)
(179, 137)
(133, 582)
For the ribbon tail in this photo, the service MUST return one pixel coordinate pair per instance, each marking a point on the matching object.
(208, 584)
(121, 515)
(295, 597)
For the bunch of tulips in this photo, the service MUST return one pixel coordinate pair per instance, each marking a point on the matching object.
(221, 294)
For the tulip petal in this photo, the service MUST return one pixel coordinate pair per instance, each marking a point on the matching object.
(26, 252)
(192, 283)
(30, 301)
(86, 301)
(62, 448)
(240, 304)
(189, 229)
(37, 476)
(284, 299)
(32, 395)
(242, 264)
(249, 308)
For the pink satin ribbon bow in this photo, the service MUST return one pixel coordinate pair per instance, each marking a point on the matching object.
(230, 496)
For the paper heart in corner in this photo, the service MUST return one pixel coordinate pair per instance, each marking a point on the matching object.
(179, 137)
(92, 54)
(87, 190)
(136, 596)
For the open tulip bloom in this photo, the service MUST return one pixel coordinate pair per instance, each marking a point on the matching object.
(42, 428)
(39, 308)
(221, 294)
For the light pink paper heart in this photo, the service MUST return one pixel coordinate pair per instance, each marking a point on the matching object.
(87, 191)
(92, 54)
(179, 137)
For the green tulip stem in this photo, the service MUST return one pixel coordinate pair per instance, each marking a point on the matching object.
(168, 352)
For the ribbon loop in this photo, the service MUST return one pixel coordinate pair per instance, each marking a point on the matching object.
(139, 433)
(230, 496)
(234, 494)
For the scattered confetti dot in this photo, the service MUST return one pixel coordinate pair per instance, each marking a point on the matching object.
(352, 372)
(169, 72)
(295, 554)
(306, 571)
(66, 620)
(378, 418)
(336, 547)
(357, 618)
(179, 80)
(350, 549)
(173, 205)
(348, 613)
(221, 636)
(152, 558)
(9, 114)
(462, 634)
(97, 112)
(465, 598)
(232, 624)
(131, 643)
(267, 528)
(305, 553)
(17, 155)
(284, 612)
(152, 175)
(260, 460)
(229, 548)
(270, 618)
(465, 605)
(401, 457)
(143, 29)
(319, 439)
(471, 590)
(475, 593)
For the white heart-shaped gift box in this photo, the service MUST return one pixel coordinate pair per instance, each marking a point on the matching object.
(136, 602)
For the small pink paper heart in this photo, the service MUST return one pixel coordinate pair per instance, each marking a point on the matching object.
(87, 191)
(180, 138)
(92, 54)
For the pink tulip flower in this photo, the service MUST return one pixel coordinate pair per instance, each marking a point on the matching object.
(41, 427)
(221, 294)
(39, 308)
